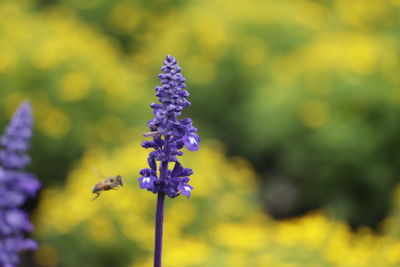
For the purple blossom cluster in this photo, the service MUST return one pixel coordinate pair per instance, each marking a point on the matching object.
(170, 134)
(16, 186)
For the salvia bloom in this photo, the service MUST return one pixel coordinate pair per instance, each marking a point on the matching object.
(16, 186)
(170, 134)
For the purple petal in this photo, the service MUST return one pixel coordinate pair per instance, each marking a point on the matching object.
(186, 189)
(191, 141)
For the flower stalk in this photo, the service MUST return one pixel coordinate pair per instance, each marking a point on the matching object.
(159, 220)
(159, 229)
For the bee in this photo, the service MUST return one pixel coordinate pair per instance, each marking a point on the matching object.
(107, 183)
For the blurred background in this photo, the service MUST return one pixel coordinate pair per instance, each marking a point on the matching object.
(297, 104)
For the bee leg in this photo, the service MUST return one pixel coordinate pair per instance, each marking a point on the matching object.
(96, 196)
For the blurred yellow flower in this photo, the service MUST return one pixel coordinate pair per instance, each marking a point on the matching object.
(125, 16)
(74, 86)
(53, 121)
(101, 229)
(8, 58)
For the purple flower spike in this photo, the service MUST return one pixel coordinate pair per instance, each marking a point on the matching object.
(169, 133)
(16, 186)
(15, 140)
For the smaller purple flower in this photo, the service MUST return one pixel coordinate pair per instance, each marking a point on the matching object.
(185, 189)
(16, 186)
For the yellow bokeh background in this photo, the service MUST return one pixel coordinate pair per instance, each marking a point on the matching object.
(88, 68)
(233, 231)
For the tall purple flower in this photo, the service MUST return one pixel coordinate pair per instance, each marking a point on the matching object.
(169, 135)
(16, 186)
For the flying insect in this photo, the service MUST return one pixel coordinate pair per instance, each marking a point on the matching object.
(105, 184)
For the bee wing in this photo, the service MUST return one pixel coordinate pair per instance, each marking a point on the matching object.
(97, 173)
